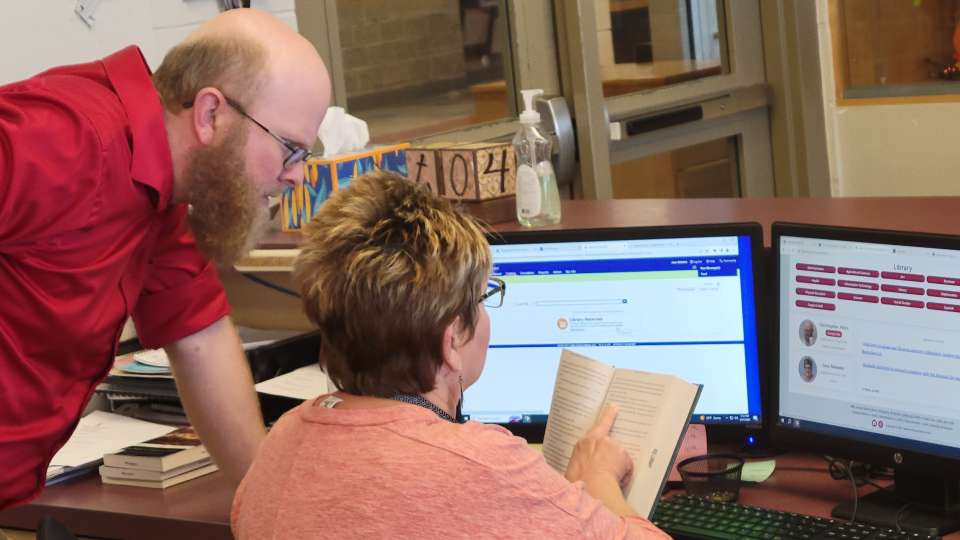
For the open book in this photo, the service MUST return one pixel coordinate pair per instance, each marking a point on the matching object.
(654, 413)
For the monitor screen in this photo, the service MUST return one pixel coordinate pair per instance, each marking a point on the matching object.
(869, 341)
(669, 299)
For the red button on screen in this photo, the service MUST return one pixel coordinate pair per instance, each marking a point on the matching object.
(858, 285)
(816, 305)
(870, 299)
(815, 292)
(816, 280)
(816, 268)
(901, 302)
(943, 307)
(901, 289)
(900, 276)
(858, 272)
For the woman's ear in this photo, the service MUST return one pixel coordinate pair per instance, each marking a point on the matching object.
(452, 341)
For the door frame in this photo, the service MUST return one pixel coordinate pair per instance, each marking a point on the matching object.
(734, 103)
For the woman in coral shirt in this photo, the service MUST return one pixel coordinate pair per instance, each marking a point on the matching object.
(397, 281)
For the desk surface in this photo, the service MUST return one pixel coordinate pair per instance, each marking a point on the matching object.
(200, 508)
(923, 214)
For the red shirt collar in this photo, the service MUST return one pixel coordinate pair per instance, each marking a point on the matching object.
(152, 165)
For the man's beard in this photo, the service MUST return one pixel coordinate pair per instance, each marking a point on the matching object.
(227, 214)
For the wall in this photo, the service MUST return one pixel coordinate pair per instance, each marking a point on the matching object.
(887, 150)
(897, 42)
(399, 48)
(46, 33)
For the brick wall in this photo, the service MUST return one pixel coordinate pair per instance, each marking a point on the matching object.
(392, 48)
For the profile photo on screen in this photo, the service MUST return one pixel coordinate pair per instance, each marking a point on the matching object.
(808, 332)
(808, 369)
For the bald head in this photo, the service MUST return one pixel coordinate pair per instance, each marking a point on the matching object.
(293, 80)
(288, 54)
(254, 58)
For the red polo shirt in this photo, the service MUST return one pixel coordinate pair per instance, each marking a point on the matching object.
(88, 237)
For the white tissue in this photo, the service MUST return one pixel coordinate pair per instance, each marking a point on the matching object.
(341, 133)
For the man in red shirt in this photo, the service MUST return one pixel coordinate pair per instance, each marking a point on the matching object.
(116, 191)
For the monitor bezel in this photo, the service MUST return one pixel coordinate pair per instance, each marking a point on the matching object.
(533, 432)
(875, 453)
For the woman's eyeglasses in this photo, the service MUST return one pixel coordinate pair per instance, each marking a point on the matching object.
(493, 298)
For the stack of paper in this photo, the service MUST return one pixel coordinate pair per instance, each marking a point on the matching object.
(305, 383)
(97, 434)
(149, 362)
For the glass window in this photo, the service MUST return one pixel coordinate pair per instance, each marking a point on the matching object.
(898, 47)
(647, 44)
(708, 169)
(420, 67)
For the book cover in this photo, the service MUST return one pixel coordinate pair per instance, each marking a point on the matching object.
(655, 410)
(176, 449)
(166, 482)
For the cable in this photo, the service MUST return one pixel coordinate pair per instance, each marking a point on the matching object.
(900, 513)
(856, 492)
(861, 474)
(840, 470)
(269, 285)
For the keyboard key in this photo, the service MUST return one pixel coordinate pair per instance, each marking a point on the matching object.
(694, 518)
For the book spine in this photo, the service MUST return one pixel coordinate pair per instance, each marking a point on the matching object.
(130, 474)
(133, 462)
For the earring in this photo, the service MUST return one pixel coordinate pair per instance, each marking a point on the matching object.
(460, 403)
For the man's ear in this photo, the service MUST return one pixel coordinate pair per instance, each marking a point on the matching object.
(206, 105)
(451, 347)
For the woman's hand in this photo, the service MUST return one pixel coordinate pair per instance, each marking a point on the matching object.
(597, 457)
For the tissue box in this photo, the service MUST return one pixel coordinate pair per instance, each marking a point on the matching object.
(465, 172)
(323, 176)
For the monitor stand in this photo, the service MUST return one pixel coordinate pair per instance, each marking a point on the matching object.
(923, 503)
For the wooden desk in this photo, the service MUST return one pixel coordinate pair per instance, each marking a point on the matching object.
(920, 214)
(200, 508)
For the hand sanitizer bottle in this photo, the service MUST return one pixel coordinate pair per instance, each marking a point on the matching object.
(538, 200)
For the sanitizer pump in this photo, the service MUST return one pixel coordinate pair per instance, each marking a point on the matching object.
(538, 200)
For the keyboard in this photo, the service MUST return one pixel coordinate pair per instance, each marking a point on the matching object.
(688, 517)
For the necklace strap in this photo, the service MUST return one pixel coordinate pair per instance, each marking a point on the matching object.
(418, 400)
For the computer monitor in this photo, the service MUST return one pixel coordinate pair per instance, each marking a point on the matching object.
(869, 360)
(679, 300)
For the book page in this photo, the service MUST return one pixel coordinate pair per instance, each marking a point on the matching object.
(654, 411)
(101, 433)
(577, 396)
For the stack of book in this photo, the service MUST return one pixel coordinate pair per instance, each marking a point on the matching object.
(158, 463)
(97, 434)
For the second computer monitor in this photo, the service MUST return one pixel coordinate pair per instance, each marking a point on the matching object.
(679, 300)
(869, 361)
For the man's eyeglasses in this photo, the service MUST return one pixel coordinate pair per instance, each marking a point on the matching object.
(295, 153)
(493, 298)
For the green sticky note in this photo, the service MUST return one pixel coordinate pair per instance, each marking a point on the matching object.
(758, 471)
